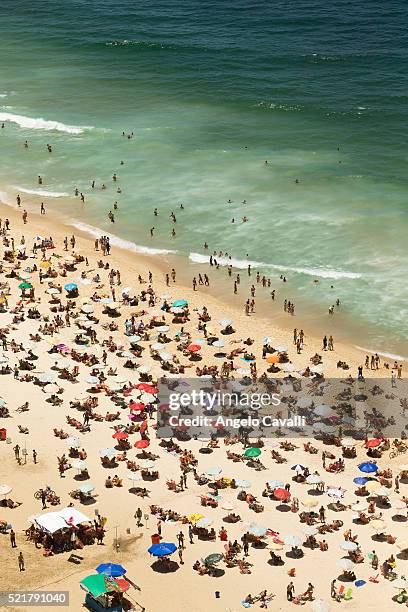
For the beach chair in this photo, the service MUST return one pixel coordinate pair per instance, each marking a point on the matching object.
(340, 592)
(374, 578)
(348, 594)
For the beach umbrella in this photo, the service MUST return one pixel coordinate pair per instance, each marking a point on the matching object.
(272, 359)
(120, 435)
(281, 349)
(25, 285)
(142, 444)
(359, 507)
(204, 522)
(323, 410)
(266, 340)
(348, 442)
(163, 328)
(335, 492)
(242, 484)
(135, 338)
(70, 287)
(165, 356)
(298, 468)
(378, 525)
(87, 488)
(368, 467)
(360, 480)
(134, 476)
(193, 348)
(252, 452)
(24, 275)
(2, 402)
(163, 549)
(146, 464)
(399, 504)
(51, 388)
(373, 443)
(113, 570)
(45, 264)
(381, 492)
(287, 367)
(213, 559)
(305, 402)
(403, 545)
(138, 406)
(99, 584)
(157, 346)
(92, 380)
(225, 322)
(314, 479)
(275, 484)
(179, 303)
(292, 540)
(348, 546)
(257, 530)
(320, 605)
(5, 489)
(73, 442)
(195, 517)
(281, 494)
(309, 502)
(275, 546)
(372, 485)
(4, 359)
(218, 344)
(227, 506)
(47, 377)
(107, 452)
(309, 530)
(346, 564)
(214, 471)
(87, 308)
(78, 464)
(52, 291)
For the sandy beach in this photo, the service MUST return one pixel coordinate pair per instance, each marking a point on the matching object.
(154, 585)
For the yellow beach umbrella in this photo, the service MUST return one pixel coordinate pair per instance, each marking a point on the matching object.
(194, 518)
(45, 264)
(309, 503)
(372, 485)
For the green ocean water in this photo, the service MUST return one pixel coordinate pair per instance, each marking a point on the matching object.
(210, 91)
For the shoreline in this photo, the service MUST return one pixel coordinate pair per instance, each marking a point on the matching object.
(135, 255)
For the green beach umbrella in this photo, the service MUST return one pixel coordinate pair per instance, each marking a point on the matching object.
(213, 558)
(252, 452)
(98, 584)
(25, 285)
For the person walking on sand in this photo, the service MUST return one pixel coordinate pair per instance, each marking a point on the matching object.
(21, 565)
(35, 456)
(25, 215)
(138, 517)
(13, 539)
(290, 591)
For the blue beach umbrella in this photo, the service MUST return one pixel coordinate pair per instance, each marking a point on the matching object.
(111, 569)
(163, 549)
(360, 480)
(70, 287)
(368, 467)
(179, 303)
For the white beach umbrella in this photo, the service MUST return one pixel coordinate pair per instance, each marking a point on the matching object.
(314, 479)
(165, 356)
(309, 530)
(304, 402)
(225, 322)
(73, 442)
(144, 369)
(134, 476)
(78, 464)
(5, 489)
(348, 546)
(51, 388)
(320, 605)
(87, 308)
(359, 506)
(162, 328)
(346, 564)
(52, 291)
(292, 540)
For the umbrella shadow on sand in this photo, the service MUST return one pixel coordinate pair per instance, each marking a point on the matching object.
(282, 508)
(81, 476)
(165, 567)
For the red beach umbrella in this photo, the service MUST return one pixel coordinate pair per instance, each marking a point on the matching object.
(136, 406)
(142, 444)
(193, 348)
(281, 494)
(120, 435)
(143, 426)
(147, 388)
(373, 443)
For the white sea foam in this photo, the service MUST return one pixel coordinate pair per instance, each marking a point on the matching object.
(242, 264)
(42, 124)
(119, 242)
(42, 192)
(387, 355)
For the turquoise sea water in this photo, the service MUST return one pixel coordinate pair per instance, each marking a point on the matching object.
(211, 90)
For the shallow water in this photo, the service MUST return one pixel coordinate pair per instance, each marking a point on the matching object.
(210, 91)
